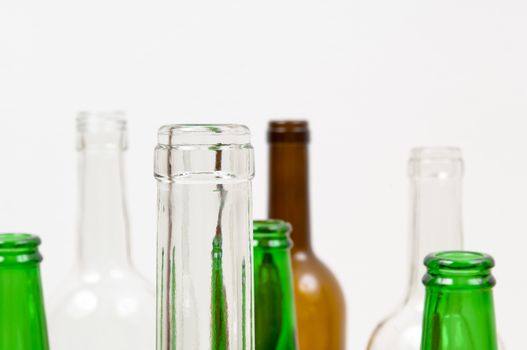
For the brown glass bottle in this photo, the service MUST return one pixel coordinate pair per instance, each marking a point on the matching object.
(320, 306)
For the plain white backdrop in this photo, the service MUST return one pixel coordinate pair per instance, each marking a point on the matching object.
(374, 77)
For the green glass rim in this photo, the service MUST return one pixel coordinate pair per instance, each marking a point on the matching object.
(459, 261)
(271, 227)
(18, 240)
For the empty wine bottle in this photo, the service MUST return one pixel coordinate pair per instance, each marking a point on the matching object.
(459, 308)
(205, 254)
(22, 314)
(320, 306)
(436, 224)
(273, 279)
(105, 303)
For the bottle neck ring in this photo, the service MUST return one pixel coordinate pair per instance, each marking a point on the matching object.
(19, 248)
(271, 234)
(459, 270)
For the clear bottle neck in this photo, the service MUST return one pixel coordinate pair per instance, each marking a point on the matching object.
(103, 222)
(436, 209)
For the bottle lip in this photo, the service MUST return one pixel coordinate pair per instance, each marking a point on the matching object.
(101, 121)
(204, 134)
(459, 270)
(288, 131)
(436, 153)
(16, 248)
(271, 233)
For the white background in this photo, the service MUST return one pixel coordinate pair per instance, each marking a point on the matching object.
(374, 77)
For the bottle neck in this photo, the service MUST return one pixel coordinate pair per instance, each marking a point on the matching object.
(467, 314)
(103, 226)
(436, 216)
(22, 319)
(289, 190)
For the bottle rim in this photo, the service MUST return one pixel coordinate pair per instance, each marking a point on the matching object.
(203, 135)
(459, 269)
(271, 233)
(101, 121)
(436, 153)
(288, 131)
(16, 248)
(459, 260)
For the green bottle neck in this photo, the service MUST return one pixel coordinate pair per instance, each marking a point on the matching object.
(459, 307)
(22, 316)
(274, 296)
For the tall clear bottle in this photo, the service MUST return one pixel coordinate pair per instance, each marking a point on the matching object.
(436, 224)
(204, 276)
(105, 303)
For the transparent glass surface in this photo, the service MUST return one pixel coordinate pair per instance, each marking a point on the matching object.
(435, 224)
(459, 308)
(105, 303)
(22, 312)
(204, 277)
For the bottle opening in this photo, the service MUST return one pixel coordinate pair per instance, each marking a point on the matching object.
(199, 153)
(271, 233)
(459, 269)
(459, 261)
(435, 162)
(101, 121)
(288, 131)
(19, 248)
(203, 134)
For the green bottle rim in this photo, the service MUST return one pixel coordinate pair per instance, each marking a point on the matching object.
(459, 269)
(271, 233)
(19, 248)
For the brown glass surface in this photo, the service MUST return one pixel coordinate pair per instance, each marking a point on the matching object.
(320, 305)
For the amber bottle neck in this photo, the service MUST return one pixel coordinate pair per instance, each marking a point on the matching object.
(289, 190)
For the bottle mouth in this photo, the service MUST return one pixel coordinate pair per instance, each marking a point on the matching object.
(436, 162)
(288, 131)
(271, 233)
(101, 121)
(459, 268)
(198, 153)
(16, 248)
(181, 135)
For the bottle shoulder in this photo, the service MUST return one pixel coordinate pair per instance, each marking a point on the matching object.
(313, 277)
(111, 287)
(400, 330)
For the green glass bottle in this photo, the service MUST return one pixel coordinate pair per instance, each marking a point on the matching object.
(22, 315)
(459, 307)
(273, 278)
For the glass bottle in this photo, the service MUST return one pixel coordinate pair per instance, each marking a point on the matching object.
(436, 224)
(22, 313)
(204, 266)
(459, 308)
(320, 306)
(105, 304)
(273, 280)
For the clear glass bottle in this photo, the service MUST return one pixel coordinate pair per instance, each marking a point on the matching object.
(459, 309)
(204, 277)
(105, 303)
(436, 224)
(22, 312)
